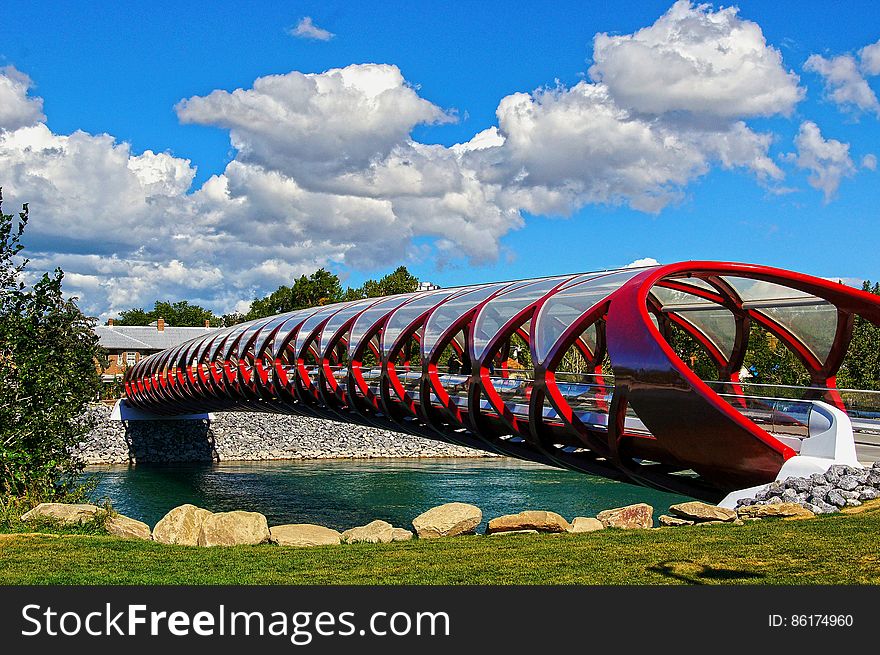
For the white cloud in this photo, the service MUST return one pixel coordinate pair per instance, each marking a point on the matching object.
(17, 108)
(870, 59)
(694, 60)
(567, 147)
(306, 29)
(844, 84)
(869, 161)
(326, 171)
(85, 186)
(827, 160)
(644, 261)
(315, 125)
(855, 282)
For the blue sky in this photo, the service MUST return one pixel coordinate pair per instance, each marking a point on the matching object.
(120, 69)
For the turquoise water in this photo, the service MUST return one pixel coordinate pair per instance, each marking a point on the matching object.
(344, 493)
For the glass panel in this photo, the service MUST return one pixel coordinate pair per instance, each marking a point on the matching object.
(289, 326)
(266, 332)
(406, 314)
(515, 392)
(696, 282)
(250, 334)
(457, 388)
(569, 304)
(812, 320)
(235, 332)
(449, 312)
(313, 321)
(219, 343)
(505, 306)
(718, 325)
(757, 290)
(675, 298)
(589, 338)
(814, 325)
(204, 347)
(780, 417)
(339, 320)
(366, 320)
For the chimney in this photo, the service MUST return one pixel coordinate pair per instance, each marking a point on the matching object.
(160, 325)
(207, 323)
(110, 322)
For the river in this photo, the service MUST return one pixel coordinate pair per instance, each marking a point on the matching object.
(342, 493)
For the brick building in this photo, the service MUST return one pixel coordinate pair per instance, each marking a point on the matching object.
(127, 344)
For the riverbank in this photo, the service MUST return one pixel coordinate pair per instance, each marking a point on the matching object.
(834, 549)
(249, 436)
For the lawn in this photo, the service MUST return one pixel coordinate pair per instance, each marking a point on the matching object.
(836, 549)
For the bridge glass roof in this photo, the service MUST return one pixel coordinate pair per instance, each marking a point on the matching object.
(339, 319)
(814, 325)
(449, 312)
(562, 309)
(503, 307)
(716, 322)
(369, 317)
(812, 320)
(268, 331)
(313, 321)
(404, 315)
(288, 327)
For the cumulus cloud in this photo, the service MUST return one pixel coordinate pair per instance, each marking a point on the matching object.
(869, 161)
(316, 125)
(641, 263)
(870, 59)
(827, 160)
(85, 186)
(306, 29)
(17, 108)
(326, 171)
(844, 84)
(697, 61)
(567, 147)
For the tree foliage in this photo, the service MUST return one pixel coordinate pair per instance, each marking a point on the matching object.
(48, 351)
(400, 281)
(861, 366)
(178, 314)
(322, 288)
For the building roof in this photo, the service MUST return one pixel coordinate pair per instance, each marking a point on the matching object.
(145, 337)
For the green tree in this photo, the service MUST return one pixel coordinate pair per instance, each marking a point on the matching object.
(769, 361)
(861, 366)
(400, 281)
(233, 318)
(692, 353)
(48, 374)
(320, 288)
(178, 314)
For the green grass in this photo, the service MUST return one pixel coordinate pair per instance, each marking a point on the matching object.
(838, 549)
(11, 510)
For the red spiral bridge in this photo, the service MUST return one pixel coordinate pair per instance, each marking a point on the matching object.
(575, 371)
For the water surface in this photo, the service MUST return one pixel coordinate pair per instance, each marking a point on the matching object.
(344, 493)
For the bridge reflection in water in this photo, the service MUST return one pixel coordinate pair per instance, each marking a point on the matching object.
(604, 392)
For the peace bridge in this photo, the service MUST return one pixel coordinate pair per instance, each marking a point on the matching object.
(574, 371)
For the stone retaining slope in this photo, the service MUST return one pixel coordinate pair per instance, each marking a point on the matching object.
(249, 436)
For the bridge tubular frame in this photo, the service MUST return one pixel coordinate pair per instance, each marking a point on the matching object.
(375, 361)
